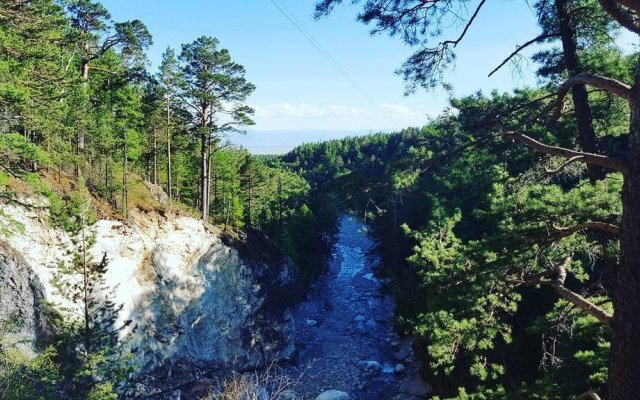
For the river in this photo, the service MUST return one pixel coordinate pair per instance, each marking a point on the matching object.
(345, 335)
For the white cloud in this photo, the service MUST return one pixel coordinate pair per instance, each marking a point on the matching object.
(304, 110)
(396, 110)
(287, 115)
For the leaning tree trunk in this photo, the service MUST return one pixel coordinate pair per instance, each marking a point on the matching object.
(624, 369)
(584, 120)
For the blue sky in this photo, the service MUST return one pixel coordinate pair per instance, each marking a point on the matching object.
(298, 90)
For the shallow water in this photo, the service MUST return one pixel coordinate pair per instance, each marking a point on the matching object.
(345, 330)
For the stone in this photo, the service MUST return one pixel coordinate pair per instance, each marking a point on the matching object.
(311, 322)
(399, 368)
(156, 192)
(405, 349)
(388, 368)
(333, 395)
(360, 318)
(371, 325)
(371, 366)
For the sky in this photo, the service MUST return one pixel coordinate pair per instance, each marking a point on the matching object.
(300, 95)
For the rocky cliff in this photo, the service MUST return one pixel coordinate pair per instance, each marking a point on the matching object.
(20, 295)
(195, 296)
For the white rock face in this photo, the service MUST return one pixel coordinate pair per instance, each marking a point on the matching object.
(191, 296)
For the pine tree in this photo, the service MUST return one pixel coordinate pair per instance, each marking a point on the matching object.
(215, 91)
(93, 352)
(170, 78)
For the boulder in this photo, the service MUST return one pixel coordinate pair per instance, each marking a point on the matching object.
(371, 325)
(333, 395)
(405, 349)
(370, 366)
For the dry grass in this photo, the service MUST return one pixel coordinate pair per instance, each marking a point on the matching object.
(267, 384)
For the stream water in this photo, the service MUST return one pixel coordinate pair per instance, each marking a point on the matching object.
(346, 339)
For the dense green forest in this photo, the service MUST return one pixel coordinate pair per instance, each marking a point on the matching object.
(85, 125)
(521, 210)
(509, 226)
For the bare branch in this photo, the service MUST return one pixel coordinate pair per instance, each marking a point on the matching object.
(520, 48)
(533, 280)
(563, 165)
(589, 158)
(106, 71)
(600, 226)
(466, 27)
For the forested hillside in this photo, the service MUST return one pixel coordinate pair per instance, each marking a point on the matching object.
(460, 238)
(80, 110)
(88, 132)
(507, 260)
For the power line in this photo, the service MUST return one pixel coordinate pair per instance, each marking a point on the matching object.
(327, 56)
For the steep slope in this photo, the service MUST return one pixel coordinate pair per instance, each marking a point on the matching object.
(196, 297)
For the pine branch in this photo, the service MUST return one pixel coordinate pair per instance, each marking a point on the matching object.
(560, 272)
(590, 395)
(588, 158)
(601, 226)
(621, 15)
(609, 85)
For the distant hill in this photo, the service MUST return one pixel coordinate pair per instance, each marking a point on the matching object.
(280, 142)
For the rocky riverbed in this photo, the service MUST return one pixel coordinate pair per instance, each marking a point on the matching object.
(345, 332)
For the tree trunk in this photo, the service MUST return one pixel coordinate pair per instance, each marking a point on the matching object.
(85, 287)
(249, 206)
(81, 134)
(208, 181)
(168, 148)
(155, 157)
(204, 201)
(125, 178)
(85, 91)
(624, 369)
(584, 120)
(215, 192)
(280, 198)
